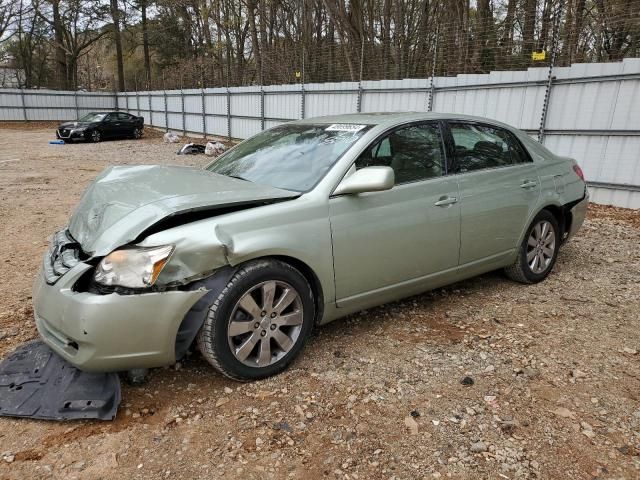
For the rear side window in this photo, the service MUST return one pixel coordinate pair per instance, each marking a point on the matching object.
(123, 116)
(414, 152)
(518, 153)
(479, 147)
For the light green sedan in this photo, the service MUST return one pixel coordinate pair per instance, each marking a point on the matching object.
(295, 227)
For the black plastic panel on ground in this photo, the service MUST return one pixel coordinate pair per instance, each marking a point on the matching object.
(35, 382)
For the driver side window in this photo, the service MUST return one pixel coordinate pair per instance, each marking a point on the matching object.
(415, 153)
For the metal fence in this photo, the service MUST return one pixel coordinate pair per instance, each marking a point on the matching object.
(587, 111)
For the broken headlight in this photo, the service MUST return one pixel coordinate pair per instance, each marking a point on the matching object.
(132, 267)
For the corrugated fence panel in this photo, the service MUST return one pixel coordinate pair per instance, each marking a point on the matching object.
(193, 122)
(330, 99)
(401, 100)
(283, 105)
(158, 106)
(591, 108)
(621, 198)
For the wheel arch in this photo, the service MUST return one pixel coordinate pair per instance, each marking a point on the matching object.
(311, 277)
(558, 212)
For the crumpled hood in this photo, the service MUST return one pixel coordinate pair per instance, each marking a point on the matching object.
(125, 201)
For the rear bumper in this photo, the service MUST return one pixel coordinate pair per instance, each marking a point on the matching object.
(109, 332)
(578, 214)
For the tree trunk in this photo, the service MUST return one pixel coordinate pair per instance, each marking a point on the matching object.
(546, 21)
(528, 29)
(115, 16)
(61, 57)
(255, 43)
(145, 41)
(507, 34)
(576, 28)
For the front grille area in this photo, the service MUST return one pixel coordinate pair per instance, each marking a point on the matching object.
(64, 254)
(64, 133)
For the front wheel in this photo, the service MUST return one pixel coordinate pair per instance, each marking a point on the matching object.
(259, 322)
(538, 252)
(95, 136)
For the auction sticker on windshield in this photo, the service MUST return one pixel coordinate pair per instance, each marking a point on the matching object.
(344, 127)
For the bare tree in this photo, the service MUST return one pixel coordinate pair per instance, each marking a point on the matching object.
(77, 24)
(117, 37)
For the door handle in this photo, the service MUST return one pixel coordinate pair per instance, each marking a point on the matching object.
(529, 184)
(446, 201)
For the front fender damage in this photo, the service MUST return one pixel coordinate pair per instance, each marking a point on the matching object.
(195, 317)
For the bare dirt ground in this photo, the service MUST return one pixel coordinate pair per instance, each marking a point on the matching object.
(555, 366)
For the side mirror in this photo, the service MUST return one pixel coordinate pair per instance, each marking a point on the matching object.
(369, 179)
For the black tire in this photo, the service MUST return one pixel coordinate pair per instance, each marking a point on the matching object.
(213, 340)
(521, 271)
(95, 136)
(137, 133)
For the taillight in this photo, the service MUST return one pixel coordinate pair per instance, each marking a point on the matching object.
(579, 172)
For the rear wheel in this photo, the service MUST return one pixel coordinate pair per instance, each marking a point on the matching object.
(538, 252)
(137, 133)
(95, 136)
(259, 322)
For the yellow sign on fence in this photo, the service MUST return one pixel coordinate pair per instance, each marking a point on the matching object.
(537, 56)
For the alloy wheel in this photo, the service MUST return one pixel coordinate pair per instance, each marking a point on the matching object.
(541, 246)
(265, 323)
(137, 133)
(95, 136)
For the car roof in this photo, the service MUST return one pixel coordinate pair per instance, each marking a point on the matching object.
(395, 118)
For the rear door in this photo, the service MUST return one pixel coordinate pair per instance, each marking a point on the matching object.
(382, 239)
(499, 187)
(112, 127)
(126, 123)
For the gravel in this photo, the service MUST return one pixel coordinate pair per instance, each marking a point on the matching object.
(555, 366)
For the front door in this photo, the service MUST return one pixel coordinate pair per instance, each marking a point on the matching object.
(498, 188)
(382, 240)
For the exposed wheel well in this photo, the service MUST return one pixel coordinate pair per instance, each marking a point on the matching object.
(312, 278)
(563, 217)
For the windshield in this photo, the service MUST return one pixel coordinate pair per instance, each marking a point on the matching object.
(290, 156)
(93, 117)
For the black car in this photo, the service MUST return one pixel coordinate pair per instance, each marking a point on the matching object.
(96, 126)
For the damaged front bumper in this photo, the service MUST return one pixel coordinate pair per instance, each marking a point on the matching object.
(110, 332)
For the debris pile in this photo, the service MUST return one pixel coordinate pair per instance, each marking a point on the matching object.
(171, 137)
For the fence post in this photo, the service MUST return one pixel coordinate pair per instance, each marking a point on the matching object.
(135, 87)
(24, 105)
(204, 115)
(432, 87)
(359, 100)
(228, 113)
(75, 102)
(150, 102)
(303, 102)
(116, 107)
(166, 111)
(552, 61)
(261, 107)
(184, 122)
(204, 107)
